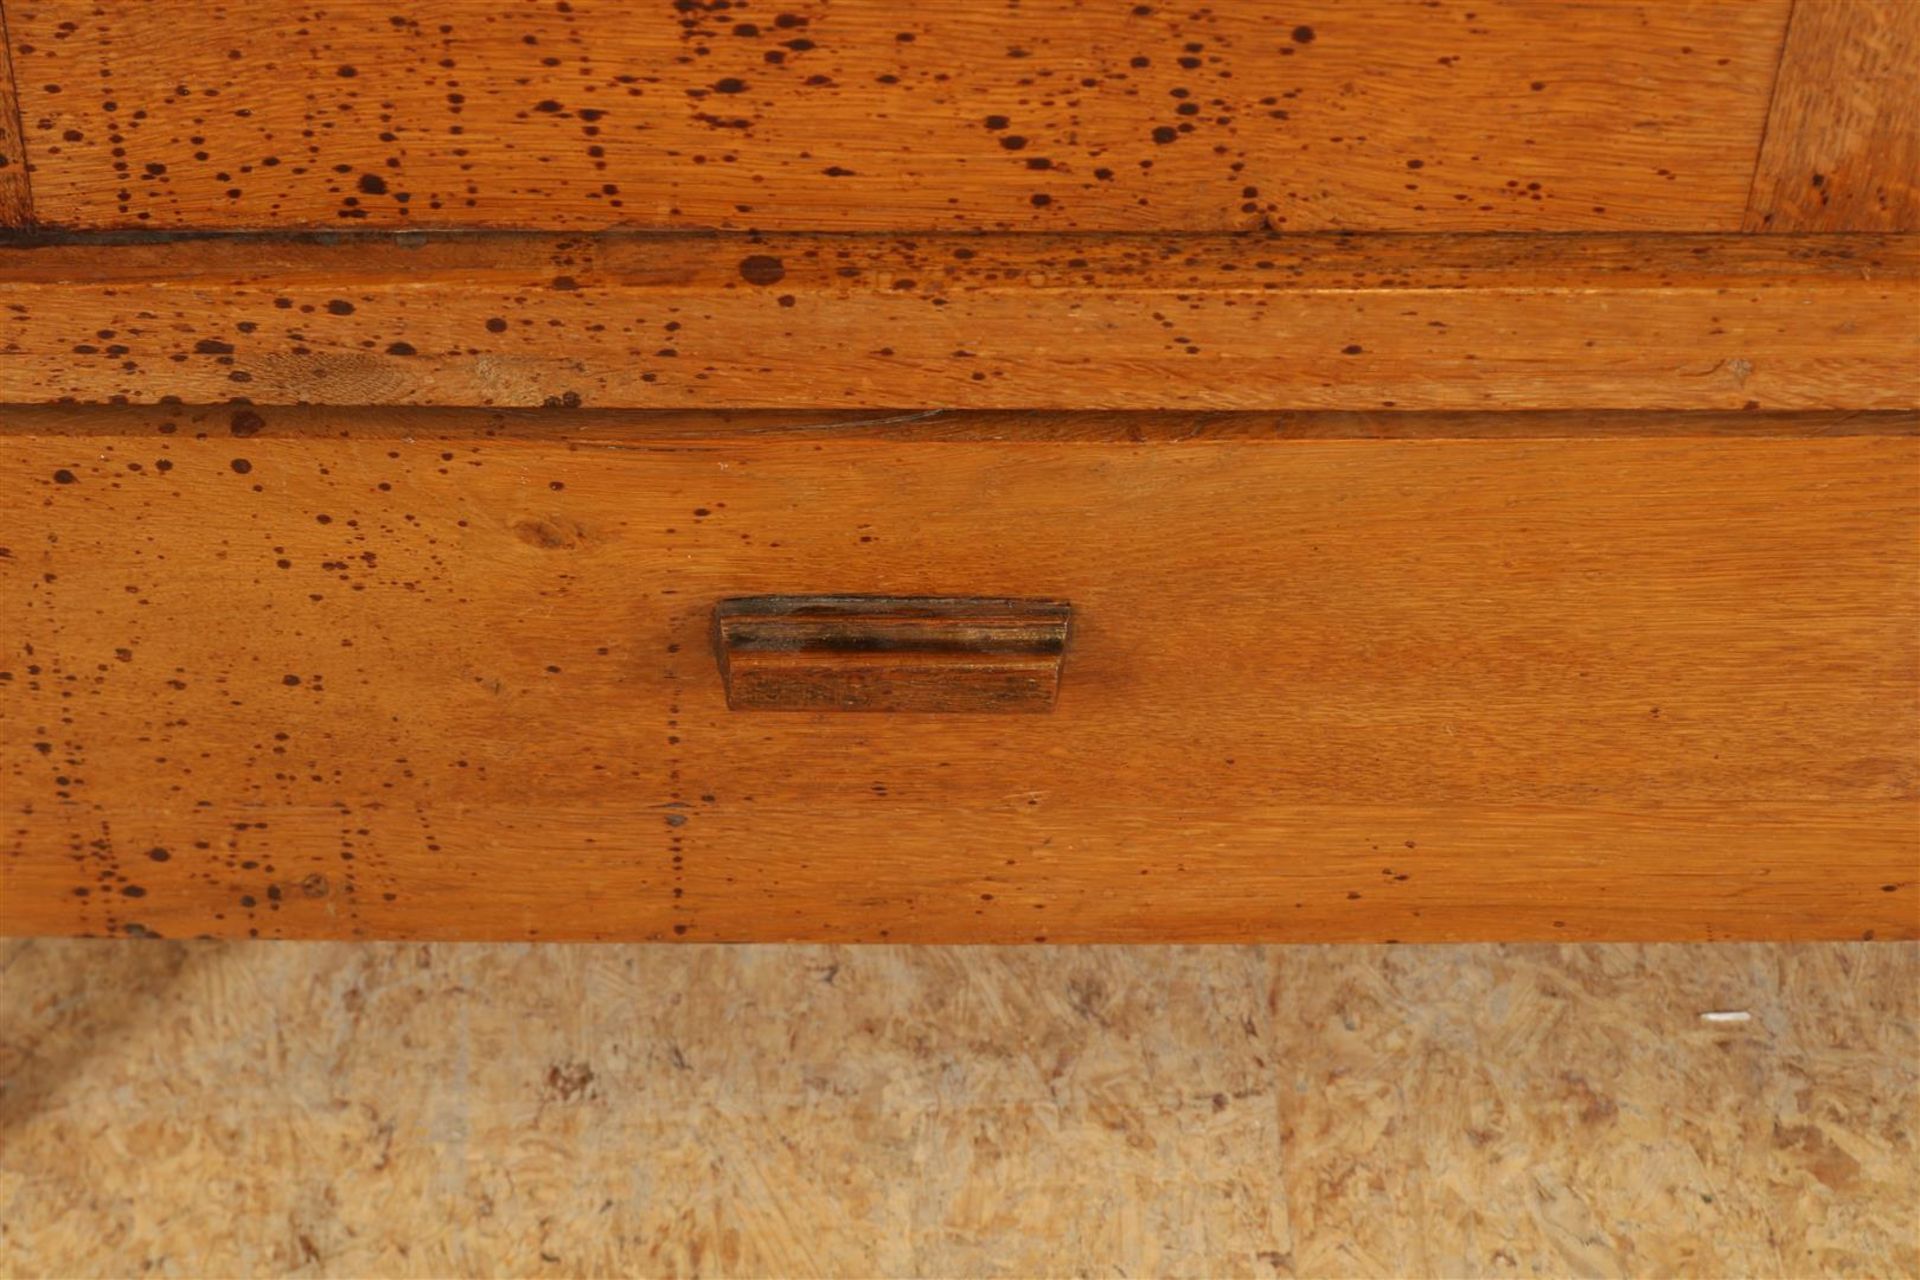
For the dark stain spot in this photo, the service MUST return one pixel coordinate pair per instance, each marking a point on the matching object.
(1303, 35)
(213, 347)
(241, 465)
(496, 325)
(1165, 134)
(63, 476)
(544, 533)
(568, 1080)
(762, 269)
(373, 184)
(339, 307)
(245, 422)
(400, 349)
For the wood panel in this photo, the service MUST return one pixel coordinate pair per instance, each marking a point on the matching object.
(1336, 689)
(1015, 321)
(16, 198)
(949, 114)
(1842, 150)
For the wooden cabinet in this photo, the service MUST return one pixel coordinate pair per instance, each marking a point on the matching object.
(984, 541)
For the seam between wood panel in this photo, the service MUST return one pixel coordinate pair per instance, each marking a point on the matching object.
(672, 430)
(1748, 213)
(27, 218)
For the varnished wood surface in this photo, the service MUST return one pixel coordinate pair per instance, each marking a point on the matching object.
(1842, 151)
(1333, 689)
(1047, 115)
(1017, 321)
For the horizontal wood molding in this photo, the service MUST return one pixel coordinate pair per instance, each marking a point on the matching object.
(1549, 115)
(1018, 321)
(310, 685)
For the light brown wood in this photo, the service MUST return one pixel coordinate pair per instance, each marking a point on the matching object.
(1842, 150)
(1073, 322)
(865, 114)
(304, 685)
(16, 199)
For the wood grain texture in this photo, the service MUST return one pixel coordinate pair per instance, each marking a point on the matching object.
(432, 1110)
(1016, 321)
(1842, 150)
(16, 196)
(1633, 688)
(861, 114)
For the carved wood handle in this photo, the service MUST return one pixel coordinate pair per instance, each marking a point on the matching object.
(890, 653)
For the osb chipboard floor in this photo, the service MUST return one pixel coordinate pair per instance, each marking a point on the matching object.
(247, 1109)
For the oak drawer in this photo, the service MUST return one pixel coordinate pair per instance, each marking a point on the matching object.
(360, 675)
(860, 114)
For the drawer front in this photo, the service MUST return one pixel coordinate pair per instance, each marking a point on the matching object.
(862, 114)
(326, 684)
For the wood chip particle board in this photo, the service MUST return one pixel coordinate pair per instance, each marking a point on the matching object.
(183, 1109)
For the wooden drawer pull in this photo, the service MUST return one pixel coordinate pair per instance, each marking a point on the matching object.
(890, 653)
